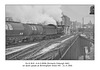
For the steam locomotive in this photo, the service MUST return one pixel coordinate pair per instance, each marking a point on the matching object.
(17, 32)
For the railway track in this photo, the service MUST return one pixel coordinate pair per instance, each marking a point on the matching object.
(33, 50)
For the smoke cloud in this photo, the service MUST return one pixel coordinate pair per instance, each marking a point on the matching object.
(39, 14)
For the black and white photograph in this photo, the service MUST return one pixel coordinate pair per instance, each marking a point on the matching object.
(49, 32)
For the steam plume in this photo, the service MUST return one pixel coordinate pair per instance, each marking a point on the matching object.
(44, 14)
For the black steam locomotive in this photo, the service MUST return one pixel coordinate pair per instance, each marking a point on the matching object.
(17, 32)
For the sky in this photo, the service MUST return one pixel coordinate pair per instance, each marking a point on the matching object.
(77, 12)
(34, 14)
(49, 13)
